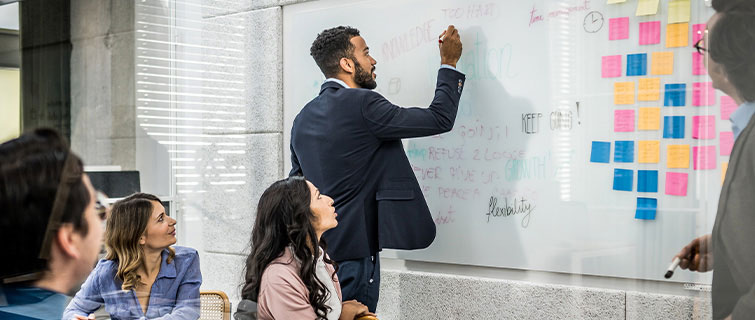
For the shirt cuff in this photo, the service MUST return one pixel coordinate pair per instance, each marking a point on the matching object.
(446, 66)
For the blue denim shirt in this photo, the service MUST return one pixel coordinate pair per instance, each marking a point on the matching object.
(174, 295)
(23, 303)
(741, 117)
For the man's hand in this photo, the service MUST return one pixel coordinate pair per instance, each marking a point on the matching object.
(450, 46)
(697, 255)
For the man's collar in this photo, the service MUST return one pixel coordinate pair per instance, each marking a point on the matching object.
(338, 81)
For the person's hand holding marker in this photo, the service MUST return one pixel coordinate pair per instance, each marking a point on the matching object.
(449, 44)
(696, 256)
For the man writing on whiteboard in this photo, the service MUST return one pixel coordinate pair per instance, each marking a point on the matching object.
(728, 45)
(347, 141)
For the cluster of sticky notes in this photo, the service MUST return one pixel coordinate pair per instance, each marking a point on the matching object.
(651, 66)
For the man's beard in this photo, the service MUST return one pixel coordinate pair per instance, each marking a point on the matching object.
(363, 78)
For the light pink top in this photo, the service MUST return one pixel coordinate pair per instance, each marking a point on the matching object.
(283, 295)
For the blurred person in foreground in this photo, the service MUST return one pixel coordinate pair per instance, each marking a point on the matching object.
(729, 44)
(50, 225)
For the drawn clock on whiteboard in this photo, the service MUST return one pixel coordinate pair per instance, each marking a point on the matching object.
(593, 22)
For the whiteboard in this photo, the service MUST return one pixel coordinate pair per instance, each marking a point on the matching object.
(521, 147)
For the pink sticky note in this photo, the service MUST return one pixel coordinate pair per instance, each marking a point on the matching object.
(698, 65)
(728, 105)
(618, 28)
(676, 183)
(650, 32)
(611, 66)
(703, 127)
(703, 94)
(704, 158)
(727, 143)
(623, 120)
(697, 32)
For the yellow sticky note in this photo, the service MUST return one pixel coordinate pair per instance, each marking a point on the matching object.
(615, 1)
(650, 89)
(650, 119)
(647, 7)
(724, 167)
(678, 11)
(623, 93)
(677, 35)
(649, 151)
(677, 156)
(662, 63)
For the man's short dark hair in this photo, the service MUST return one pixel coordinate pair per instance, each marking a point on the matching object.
(330, 46)
(31, 167)
(732, 45)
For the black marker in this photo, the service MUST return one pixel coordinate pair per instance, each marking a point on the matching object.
(672, 267)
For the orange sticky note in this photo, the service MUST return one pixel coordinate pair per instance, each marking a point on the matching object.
(650, 119)
(623, 93)
(649, 151)
(677, 35)
(677, 156)
(724, 167)
(662, 63)
(650, 89)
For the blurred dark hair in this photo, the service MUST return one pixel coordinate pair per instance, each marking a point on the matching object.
(284, 219)
(330, 46)
(733, 5)
(31, 167)
(732, 44)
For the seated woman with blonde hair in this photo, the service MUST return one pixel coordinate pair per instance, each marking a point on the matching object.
(288, 273)
(142, 276)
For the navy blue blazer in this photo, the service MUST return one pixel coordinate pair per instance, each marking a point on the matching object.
(347, 142)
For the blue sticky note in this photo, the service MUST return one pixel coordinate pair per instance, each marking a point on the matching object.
(624, 151)
(622, 179)
(637, 64)
(647, 180)
(673, 127)
(646, 208)
(675, 94)
(601, 152)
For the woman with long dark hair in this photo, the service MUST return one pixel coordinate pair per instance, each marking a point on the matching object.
(143, 275)
(288, 273)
